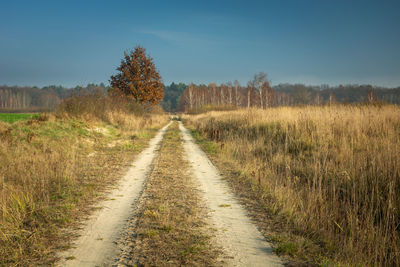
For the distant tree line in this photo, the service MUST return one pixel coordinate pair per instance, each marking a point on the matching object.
(179, 96)
(259, 93)
(20, 99)
(172, 95)
(351, 93)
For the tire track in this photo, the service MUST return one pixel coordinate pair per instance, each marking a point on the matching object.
(240, 239)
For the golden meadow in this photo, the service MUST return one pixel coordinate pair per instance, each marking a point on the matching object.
(332, 171)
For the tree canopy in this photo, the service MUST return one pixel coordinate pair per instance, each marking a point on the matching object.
(138, 78)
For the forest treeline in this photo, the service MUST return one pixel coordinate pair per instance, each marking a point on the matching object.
(256, 94)
(34, 99)
(182, 97)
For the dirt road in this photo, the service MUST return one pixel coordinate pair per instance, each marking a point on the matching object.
(96, 245)
(242, 244)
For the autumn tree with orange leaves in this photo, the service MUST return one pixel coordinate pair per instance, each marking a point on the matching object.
(138, 78)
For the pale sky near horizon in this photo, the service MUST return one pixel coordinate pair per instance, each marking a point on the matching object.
(73, 42)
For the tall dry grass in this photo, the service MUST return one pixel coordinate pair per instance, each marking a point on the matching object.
(51, 168)
(332, 171)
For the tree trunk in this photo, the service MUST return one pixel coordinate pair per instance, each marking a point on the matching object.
(248, 98)
(236, 96)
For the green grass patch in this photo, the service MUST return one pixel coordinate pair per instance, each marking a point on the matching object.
(150, 233)
(207, 145)
(286, 248)
(51, 131)
(13, 117)
(130, 147)
(145, 134)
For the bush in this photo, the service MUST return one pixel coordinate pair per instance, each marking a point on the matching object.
(97, 106)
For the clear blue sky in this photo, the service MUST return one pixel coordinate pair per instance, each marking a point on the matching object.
(309, 41)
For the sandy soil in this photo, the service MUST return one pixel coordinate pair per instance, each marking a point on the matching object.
(240, 239)
(97, 244)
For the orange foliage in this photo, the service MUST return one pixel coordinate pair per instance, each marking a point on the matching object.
(138, 78)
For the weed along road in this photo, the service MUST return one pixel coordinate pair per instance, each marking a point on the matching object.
(171, 208)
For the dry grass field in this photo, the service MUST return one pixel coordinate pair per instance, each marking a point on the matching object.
(332, 173)
(53, 166)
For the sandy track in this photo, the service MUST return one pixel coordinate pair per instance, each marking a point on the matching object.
(240, 239)
(97, 244)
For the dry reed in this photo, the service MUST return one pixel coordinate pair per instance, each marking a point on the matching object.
(334, 172)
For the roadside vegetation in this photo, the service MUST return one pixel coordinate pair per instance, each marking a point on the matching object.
(54, 165)
(322, 182)
(170, 225)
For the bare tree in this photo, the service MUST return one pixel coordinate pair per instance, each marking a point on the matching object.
(269, 94)
(222, 91)
(237, 96)
(332, 98)
(371, 97)
(257, 84)
(249, 88)
(318, 99)
(188, 97)
(229, 87)
(213, 88)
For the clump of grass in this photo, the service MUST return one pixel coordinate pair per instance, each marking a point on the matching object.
(287, 248)
(332, 172)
